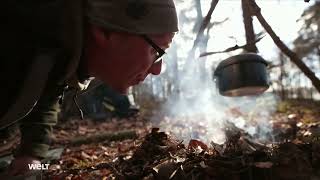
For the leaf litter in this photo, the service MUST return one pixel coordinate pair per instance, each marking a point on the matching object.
(154, 154)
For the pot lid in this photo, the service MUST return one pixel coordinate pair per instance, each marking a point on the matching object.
(245, 57)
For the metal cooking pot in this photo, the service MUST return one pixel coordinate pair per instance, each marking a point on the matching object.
(242, 75)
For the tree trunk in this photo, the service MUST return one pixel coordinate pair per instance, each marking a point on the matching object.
(282, 74)
(200, 34)
(174, 86)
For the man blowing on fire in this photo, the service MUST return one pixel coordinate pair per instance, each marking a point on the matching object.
(49, 46)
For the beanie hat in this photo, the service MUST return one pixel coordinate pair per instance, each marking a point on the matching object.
(134, 16)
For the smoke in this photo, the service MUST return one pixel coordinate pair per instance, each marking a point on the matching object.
(205, 115)
(196, 110)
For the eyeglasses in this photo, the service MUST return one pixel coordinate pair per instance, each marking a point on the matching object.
(160, 52)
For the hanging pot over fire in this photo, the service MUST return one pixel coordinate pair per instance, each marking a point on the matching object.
(242, 75)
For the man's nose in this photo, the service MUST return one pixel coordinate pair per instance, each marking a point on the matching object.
(155, 69)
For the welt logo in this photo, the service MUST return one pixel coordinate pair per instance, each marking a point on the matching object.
(38, 166)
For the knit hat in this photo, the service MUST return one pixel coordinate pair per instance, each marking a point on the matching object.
(134, 16)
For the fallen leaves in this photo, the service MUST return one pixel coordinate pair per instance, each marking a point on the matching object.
(157, 155)
(269, 163)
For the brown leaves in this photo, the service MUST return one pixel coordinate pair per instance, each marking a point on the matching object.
(157, 155)
(237, 164)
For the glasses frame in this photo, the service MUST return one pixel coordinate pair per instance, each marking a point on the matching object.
(159, 50)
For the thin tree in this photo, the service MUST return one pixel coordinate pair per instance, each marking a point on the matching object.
(282, 75)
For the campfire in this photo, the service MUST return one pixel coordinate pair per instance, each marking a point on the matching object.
(162, 157)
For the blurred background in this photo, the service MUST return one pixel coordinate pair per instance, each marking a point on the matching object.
(184, 99)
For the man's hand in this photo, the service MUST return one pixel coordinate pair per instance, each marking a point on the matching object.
(19, 166)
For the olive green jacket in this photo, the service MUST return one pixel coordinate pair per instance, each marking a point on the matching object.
(40, 54)
(40, 51)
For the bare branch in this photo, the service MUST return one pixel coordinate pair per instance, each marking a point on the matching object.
(232, 48)
(205, 23)
(217, 23)
(256, 11)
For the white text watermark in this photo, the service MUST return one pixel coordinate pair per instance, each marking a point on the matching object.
(38, 166)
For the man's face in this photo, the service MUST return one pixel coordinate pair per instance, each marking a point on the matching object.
(122, 60)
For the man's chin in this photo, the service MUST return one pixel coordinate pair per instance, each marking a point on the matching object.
(123, 91)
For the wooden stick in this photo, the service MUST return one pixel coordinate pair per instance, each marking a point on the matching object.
(256, 11)
(232, 48)
(117, 136)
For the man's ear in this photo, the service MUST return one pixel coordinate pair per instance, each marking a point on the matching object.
(98, 34)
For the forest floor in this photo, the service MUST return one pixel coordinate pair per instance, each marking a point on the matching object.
(133, 149)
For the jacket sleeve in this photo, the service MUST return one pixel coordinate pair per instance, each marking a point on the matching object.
(36, 128)
(42, 24)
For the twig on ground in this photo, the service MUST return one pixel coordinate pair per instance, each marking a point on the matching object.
(116, 136)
